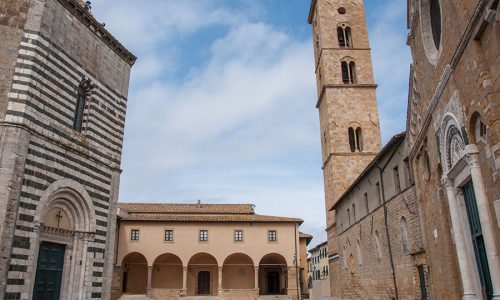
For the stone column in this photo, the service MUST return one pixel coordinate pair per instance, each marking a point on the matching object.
(463, 261)
(256, 278)
(184, 280)
(150, 277)
(483, 208)
(220, 280)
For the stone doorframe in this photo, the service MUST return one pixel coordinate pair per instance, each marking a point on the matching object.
(72, 199)
(460, 164)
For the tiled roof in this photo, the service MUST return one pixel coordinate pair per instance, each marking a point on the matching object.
(168, 217)
(395, 141)
(306, 236)
(174, 208)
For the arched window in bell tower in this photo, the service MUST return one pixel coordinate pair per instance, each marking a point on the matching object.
(344, 36)
(348, 72)
(355, 139)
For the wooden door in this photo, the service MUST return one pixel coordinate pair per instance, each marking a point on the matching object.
(477, 240)
(204, 283)
(49, 271)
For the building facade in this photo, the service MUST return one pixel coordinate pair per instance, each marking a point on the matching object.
(454, 133)
(347, 102)
(173, 251)
(63, 94)
(345, 87)
(319, 272)
(378, 231)
(433, 233)
(304, 240)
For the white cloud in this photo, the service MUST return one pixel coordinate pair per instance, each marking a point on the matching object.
(240, 126)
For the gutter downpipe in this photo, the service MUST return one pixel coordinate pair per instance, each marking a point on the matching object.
(296, 259)
(393, 272)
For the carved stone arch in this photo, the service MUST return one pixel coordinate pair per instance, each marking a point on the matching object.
(475, 114)
(74, 198)
(452, 142)
(347, 59)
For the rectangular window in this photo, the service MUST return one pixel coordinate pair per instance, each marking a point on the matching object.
(377, 190)
(169, 235)
(134, 235)
(272, 236)
(238, 235)
(366, 204)
(408, 177)
(397, 182)
(203, 235)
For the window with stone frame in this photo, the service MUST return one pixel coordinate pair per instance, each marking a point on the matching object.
(79, 109)
(169, 235)
(367, 206)
(408, 175)
(134, 234)
(203, 235)
(378, 251)
(377, 192)
(349, 217)
(344, 36)
(348, 69)
(238, 235)
(272, 236)
(404, 235)
(397, 180)
(480, 130)
(355, 139)
(360, 255)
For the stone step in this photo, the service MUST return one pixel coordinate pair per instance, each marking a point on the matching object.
(134, 297)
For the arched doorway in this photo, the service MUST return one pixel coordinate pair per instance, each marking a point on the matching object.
(273, 275)
(203, 274)
(65, 223)
(135, 274)
(167, 272)
(238, 272)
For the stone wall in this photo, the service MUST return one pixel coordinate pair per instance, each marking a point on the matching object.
(462, 82)
(53, 51)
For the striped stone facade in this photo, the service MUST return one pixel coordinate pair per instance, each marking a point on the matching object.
(44, 163)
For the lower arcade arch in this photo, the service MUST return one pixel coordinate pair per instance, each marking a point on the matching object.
(135, 273)
(238, 272)
(273, 275)
(167, 272)
(203, 274)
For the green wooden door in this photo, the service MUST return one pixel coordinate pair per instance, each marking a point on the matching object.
(477, 240)
(49, 271)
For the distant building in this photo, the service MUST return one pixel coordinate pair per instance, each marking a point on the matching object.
(319, 272)
(305, 239)
(226, 250)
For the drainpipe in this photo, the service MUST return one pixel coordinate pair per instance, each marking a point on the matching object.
(381, 172)
(295, 262)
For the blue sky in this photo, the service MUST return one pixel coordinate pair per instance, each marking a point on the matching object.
(222, 100)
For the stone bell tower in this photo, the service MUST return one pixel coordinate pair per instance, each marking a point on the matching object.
(347, 102)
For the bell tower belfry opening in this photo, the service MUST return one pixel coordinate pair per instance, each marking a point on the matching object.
(347, 101)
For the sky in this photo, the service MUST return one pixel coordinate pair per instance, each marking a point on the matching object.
(222, 99)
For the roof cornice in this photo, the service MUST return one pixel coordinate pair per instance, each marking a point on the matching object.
(98, 29)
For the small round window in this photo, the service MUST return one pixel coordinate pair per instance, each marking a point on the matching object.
(431, 28)
(342, 10)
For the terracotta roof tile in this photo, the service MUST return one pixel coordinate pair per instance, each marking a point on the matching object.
(175, 208)
(160, 217)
